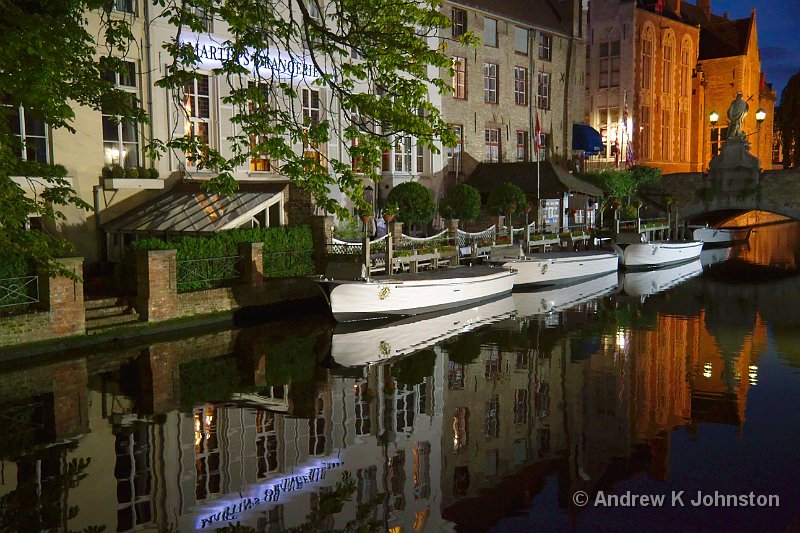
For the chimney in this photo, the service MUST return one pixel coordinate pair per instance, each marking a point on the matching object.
(705, 7)
(675, 5)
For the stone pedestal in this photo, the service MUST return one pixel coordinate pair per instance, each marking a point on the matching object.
(396, 229)
(322, 235)
(735, 168)
(451, 225)
(64, 298)
(252, 263)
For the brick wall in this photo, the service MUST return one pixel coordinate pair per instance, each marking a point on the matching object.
(61, 311)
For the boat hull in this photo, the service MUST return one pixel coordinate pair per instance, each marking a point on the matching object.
(721, 236)
(393, 296)
(561, 268)
(404, 336)
(658, 254)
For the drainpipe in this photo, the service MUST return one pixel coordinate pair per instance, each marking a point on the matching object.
(98, 232)
(149, 66)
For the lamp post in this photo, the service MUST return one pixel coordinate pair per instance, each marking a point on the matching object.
(713, 118)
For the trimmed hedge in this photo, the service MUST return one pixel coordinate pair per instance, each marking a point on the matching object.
(288, 251)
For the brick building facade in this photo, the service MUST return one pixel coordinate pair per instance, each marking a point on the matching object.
(526, 65)
(673, 63)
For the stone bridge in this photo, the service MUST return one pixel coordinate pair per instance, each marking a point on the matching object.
(774, 191)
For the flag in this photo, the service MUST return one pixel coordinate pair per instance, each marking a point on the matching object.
(537, 141)
(660, 6)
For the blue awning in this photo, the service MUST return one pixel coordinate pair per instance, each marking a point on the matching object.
(586, 138)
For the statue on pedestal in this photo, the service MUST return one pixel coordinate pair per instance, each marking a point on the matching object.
(736, 113)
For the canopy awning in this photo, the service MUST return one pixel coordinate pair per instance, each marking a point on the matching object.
(189, 209)
(587, 139)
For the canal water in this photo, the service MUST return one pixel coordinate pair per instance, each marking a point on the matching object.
(546, 411)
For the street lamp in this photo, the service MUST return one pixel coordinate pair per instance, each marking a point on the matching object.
(368, 197)
(713, 117)
(761, 115)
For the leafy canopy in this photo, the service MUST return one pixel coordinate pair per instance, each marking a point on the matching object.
(52, 61)
(414, 202)
(462, 202)
(507, 199)
(624, 183)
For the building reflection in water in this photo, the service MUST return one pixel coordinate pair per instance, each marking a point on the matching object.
(189, 437)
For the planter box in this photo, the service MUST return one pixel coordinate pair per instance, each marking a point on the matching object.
(128, 183)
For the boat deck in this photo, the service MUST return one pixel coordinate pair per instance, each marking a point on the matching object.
(475, 271)
(568, 255)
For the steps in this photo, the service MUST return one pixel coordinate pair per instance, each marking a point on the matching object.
(108, 313)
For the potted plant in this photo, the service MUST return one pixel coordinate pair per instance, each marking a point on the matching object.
(117, 172)
(107, 172)
(389, 212)
(154, 174)
(132, 173)
(365, 215)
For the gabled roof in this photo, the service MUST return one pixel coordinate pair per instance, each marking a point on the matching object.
(556, 15)
(553, 180)
(724, 39)
(188, 209)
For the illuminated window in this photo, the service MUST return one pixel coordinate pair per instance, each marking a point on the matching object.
(667, 63)
(259, 161)
(718, 136)
(121, 137)
(460, 429)
(196, 107)
(311, 117)
(266, 444)
(644, 131)
(647, 59)
(206, 453)
(455, 376)
(610, 60)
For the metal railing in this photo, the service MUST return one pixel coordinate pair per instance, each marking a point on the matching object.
(464, 238)
(288, 263)
(195, 274)
(19, 292)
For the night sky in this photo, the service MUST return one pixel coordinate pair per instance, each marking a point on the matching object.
(778, 34)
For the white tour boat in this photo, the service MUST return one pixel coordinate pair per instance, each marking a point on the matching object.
(564, 297)
(554, 268)
(651, 282)
(636, 252)
(413, 294)
(721, 236)
(361, 343)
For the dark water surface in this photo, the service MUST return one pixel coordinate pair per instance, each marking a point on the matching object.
(508, 417)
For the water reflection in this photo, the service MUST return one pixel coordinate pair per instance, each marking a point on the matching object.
(472, 420)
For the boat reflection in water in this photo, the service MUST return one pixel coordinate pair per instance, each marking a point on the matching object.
(653, 281)
(564, 297)
(357, 344)
(712, 256)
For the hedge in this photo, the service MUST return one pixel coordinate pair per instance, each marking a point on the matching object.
(288, 251)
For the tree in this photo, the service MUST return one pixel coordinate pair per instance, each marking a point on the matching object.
(49, 65)
(52, 62)
(414, 203)
(507, 199)
(462, 202)
(788, 120)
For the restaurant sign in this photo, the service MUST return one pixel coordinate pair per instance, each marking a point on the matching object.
(277, 64)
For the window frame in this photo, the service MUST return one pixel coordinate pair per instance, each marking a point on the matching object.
(193, 118)
(543, 100)
(521, 86)
(492, 148)
(23, 135)
(524, 146)
(459, 75)
(610, 61)
(257, 160)
(458, 21)
(131, 11)
(454, 154)
(133, 90)
(517, 30)
(545, 46)
(490, 90)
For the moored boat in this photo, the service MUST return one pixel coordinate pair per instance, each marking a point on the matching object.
(721, 236)
(554, 268)
(636, 252)
(361, 343)
(412, 294)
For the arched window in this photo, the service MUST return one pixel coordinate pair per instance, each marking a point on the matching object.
(686, 69)
(610, 50)
(647, 58)
(668, 63)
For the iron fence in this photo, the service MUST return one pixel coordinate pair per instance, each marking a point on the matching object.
(195, 274)
(18, 293)
(287, 263)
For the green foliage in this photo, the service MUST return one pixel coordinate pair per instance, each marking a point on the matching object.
(462, 202)
(414, 203)
(706, 194)
(348, 228)
(51, 65)
(413, 369)
(288, 251)
(506, 199)
(623, 183)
